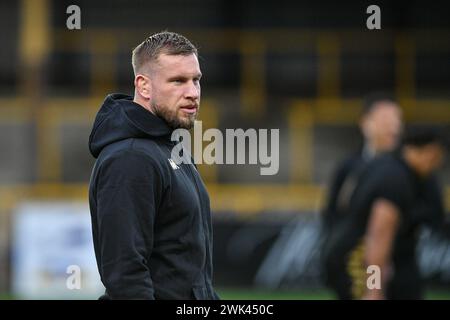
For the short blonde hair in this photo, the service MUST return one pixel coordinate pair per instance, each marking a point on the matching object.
(163, 42)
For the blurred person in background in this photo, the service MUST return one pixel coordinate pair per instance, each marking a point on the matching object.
(151, 218)
(381, 126)
(393, 195)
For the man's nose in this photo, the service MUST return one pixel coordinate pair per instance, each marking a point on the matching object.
(192, 91)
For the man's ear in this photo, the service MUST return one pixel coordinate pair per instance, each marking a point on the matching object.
(143, 86)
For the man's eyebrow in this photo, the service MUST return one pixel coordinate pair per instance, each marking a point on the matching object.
(197, 75)
(182, 77)
(178, 77)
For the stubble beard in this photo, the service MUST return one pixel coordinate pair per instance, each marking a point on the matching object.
(172, 119)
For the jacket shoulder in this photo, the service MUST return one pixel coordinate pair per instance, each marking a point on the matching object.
(146, 147)
(144, 151)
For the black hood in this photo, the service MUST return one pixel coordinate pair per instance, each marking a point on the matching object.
(120, 118)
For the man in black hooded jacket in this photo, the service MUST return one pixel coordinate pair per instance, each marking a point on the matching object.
(151, 217)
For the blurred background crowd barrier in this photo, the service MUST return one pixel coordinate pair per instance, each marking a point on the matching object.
(302, 67)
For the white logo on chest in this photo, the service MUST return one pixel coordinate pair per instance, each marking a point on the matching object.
(173, 164)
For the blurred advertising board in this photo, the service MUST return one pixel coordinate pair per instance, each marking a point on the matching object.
(52, 252)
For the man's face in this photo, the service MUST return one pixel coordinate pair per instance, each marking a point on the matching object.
(431, 158)
(175, 89)
(382, 126)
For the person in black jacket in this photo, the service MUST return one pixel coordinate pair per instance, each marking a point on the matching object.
(382, 223)
(151, 218)
(381, 126)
